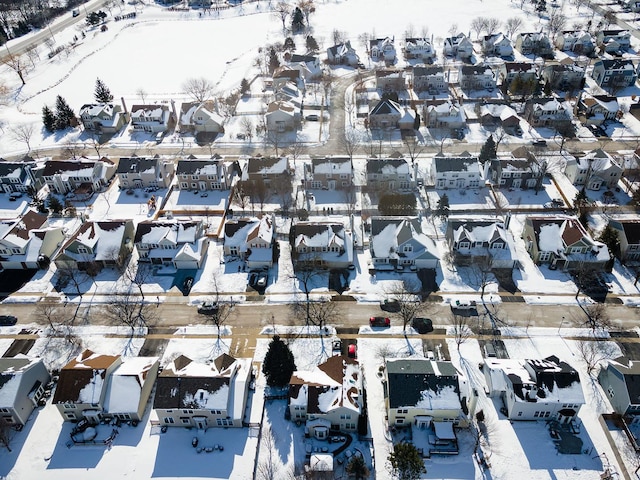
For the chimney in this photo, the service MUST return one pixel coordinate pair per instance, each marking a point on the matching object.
(124, 105)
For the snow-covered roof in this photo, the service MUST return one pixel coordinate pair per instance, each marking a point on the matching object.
(82, 379)
(389, 234)
(11, 375)
(126, 384)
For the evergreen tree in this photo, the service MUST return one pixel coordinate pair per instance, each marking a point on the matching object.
(278, 365)
(289, 44)
(357, 468)
(244, 86)
(312, 45)
(406, 462)
(489, 150)
(297, 20)
(49, 119)
(274, 62)
(64, 114)
(442, 208)
(547, 88)
(609, 237)
(55, 205)
(102, 93)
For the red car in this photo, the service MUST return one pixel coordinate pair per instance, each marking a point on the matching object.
(352, 351)
(379, 322)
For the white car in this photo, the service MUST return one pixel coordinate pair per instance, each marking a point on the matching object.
(464, 305)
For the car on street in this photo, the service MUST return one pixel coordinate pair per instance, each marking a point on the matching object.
(8, 320)
(422, 325)
(555, 203)
(312, 118)
(464, 305)
(539, 143)
(390, 305)
(379, 322)
(208, 308)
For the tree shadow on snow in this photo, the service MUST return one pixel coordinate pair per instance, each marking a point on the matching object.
(17, 442)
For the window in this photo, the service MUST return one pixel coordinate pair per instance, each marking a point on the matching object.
(403, 410)
(70, 415)
(4, 410)
(497, 245)
(8, 420)
(82, 249)
(345, 417)
(184, 185)
(464, 245)
(399, 420)
(519, 414)
(576, 249)
(185, 420)
(187, 411)
(407, 248)
(69, 406)
(169, 420)
(544, 256)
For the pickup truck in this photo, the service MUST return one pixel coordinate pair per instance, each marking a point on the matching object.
(464, 305)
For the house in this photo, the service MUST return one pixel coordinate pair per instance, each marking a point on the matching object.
(497, 45)
(250, 239)
(78, 176)
(520, 170)
(418, 49)
(579, 42)
(286, 74)
(96, 245)
(482, 242)
(129, 388)
(23, 381)
(18, 177)
(538, 389)
(548, 112)
(503, 115)
(614, 74)
(382, 49)
(385, 114)
(204, 174)
(534, 43)
(144, 172)
(562, 242)
(476, 77)
(525, 73)
(103, 117)
(628, 231)
(614, 41)
(267, 169)
(28, 242)
(290, 93)
(389, 174)
(325, 244)
(203, 395)
(459, 46)
(81, 388)
(594, 170)
(399, 242)
(181, 243)
(563, 77)
(390, 80)
(328, 173)
(343, 54)
(417, 388)
(620, 381)
(443, 114)
(282, 116)
(329, 398)
(463, 171)
(308, 65)
(200, 117)
(150, 118)
(597, 109)
(430, 79)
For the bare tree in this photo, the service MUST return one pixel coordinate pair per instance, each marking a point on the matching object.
(138, 273)
(307, 8)
(258, 192)
(200, 89)
(316, 313)
(6, 433)
(349, 198)
(296, 149)
(282, 188)
(60, 324)
(306, 272)
(512, 25)
(142, 93)
(461, 330)
(478, 24)
(23, 133)
(18, 64)
(247, 127)
(414, 148)
(594, 352)
(240, 194)
(269, 465)
(481, 271)
(281, 11)
(72, 149)
(539, 168)
(70, 273)
(597, 317)
(557, 21)
(491, 25)
(274, 139)
(130, 310)
(32, 54)
(224, 308)
(350, 141)
(407, 295)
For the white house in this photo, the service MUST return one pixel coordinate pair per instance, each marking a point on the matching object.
(399, 243)
(594, 170)
(462, 171)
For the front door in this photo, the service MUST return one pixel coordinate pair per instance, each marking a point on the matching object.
(331, 184)
(516, 182)
(200, 422)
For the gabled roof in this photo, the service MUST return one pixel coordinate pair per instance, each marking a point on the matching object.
(319, 234)
(598, 160)
(137, 165)
(631, 228)
(267, 165)
(335, 383)
(104, 238)
(616, 64)
(11, 375)
(210, 166)
(422, 383)
(82, 379)
(177, 231)
(18, 232)
(478, 231)
(386, 107)
(630, 371)
(333, 165)
(460, 163)
(389, 233)
(388, 166)
(125, 387)
(556, 233)
(55, 167)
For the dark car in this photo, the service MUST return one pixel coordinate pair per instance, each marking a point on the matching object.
(422, 325)
(186, 286)
(8, 320)
(539, 143)
(379, 322)
(390, 305)
(208, 308)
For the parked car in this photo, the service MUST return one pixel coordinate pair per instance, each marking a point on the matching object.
(464, 305)
(379, 322)
(539, 143)
(352, 350)
(336, 347)
(312, 118)
(422, 325)
(390, 305)
(8, 320)
(555, 203)
(208, 308)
